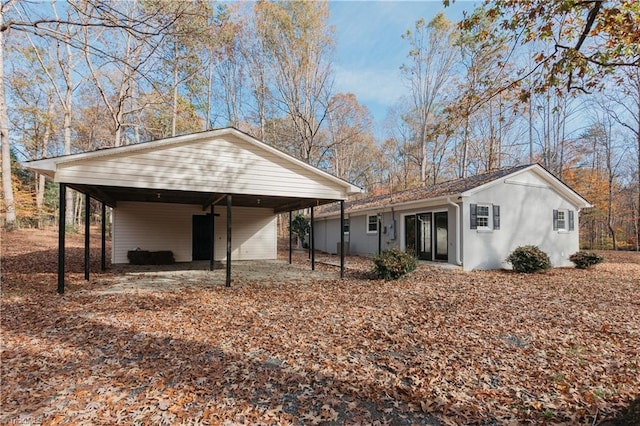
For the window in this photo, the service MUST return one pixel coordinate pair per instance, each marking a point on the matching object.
(345, 226)
(482, 220)
(562, 226)
(563, 220)
(372, 224)
(485, 216)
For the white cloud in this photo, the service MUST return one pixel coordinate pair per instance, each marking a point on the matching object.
(383, 86)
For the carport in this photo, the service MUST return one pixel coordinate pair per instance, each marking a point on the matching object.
(222, 169)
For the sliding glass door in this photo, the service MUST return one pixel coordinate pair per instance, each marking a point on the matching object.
(426, 235)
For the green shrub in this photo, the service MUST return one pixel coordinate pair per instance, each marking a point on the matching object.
(585, 259)
(393, 263)
(529, 259)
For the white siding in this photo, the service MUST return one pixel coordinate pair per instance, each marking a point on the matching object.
(158, 226)
(526, 217)
(226, 165)
(253, 234)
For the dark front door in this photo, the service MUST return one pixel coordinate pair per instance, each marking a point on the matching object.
(441, 239)
(201, 237)
(424, 243)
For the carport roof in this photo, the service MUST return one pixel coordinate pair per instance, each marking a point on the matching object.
(198, 168)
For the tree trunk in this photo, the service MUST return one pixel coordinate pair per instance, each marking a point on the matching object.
(638, 206)
(174, 113)
(41, 180)
(7, 187)
(68, 105)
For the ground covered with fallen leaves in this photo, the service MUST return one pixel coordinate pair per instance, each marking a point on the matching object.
(440, 346)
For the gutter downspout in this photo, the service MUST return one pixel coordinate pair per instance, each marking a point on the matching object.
(458, 230)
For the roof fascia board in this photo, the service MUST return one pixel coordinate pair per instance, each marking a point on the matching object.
(428, 202)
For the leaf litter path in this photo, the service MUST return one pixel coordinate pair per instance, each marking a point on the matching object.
(438, 347)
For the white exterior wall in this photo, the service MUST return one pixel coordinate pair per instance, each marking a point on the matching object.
(225, 165)
(526, 218)
(160, 226)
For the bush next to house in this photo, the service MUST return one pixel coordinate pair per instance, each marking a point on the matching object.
(393, 263)
(585, 259)
(529, 259)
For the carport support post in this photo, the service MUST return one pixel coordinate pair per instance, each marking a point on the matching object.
(103, 255)
(213, 240)
(62, 207)
(87, 240)
(379, 234)
(312, 245)
(341, 238)
(228, 282)
(290, 235)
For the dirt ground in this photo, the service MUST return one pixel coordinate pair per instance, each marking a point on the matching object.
(285, 345)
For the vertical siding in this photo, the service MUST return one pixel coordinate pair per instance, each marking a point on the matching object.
(158, 226)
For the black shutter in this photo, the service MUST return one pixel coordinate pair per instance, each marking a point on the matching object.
(555, 220)
(496, 217)
(571, 224)
(474, 216)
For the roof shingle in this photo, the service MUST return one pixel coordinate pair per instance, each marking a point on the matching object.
(442, 189)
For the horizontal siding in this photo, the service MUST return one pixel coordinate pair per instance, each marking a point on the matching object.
(158, 226)
(153, 227)
(253, 234)
(217, 165)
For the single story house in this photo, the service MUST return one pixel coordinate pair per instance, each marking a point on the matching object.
(166, 194)
(473, 222)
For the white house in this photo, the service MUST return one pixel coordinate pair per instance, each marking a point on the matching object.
(474, 222)
(163, 193)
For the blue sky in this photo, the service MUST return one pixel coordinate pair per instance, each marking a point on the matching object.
(370, 49)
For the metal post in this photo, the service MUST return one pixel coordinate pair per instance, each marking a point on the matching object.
(212, 265)
(228, 282)
(87, 238)
(61, 234)
(341, 238)
(379, 234)
(312, 244)
(103, 255)
(290, 235)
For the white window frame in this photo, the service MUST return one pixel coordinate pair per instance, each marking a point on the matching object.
(489, 217)
(564, 220)
(346, 222)
(369, 231)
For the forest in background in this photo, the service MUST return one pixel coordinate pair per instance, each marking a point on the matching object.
(505, 86)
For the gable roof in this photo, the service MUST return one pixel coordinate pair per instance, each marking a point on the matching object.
(452, 188)
(195, 169)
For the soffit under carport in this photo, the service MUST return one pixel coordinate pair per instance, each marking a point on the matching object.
(111, 195)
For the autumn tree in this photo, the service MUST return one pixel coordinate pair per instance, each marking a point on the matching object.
(59, 29)
(35, 116)
(430, 62)
(627, 115)
(298, 43)
(351, 150)
(585, 40)
(482, 65)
